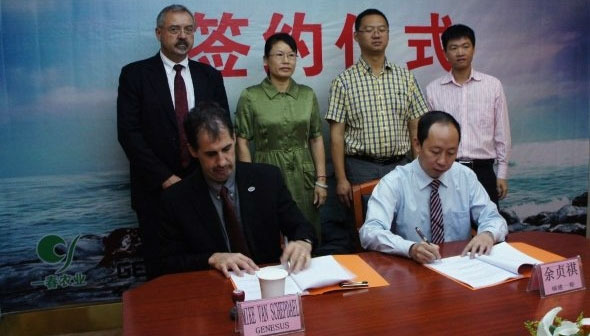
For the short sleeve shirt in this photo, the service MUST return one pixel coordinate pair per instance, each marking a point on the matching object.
(376, 109)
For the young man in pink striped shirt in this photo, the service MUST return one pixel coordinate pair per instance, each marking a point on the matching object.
(477, 101)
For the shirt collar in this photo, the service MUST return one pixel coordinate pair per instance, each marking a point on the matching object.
(271, 91)
(423, 179)
(367, 67)
(169, 65)
(448, 78)
(230, 184)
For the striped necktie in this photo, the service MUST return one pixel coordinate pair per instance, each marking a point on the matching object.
(436, 216)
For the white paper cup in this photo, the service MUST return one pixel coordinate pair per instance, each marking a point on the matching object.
(272, 282)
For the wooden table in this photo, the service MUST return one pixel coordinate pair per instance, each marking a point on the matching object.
(417, 302)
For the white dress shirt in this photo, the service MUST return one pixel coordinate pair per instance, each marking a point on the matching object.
(186, 75)
(402, 198)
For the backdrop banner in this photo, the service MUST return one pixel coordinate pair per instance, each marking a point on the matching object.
(67, 231)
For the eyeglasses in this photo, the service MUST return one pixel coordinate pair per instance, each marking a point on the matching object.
(175, 30)
(372, 29)
(290, 56)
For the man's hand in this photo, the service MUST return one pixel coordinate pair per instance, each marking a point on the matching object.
(480, 244)
(298, 254)
(424, 253)
(319, 196)
(502, 186)
(344, 192)
(235, 262)
(170, 181)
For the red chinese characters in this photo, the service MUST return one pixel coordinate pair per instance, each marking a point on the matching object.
(296, 30)
(217, 43)
(346, 40)
(435, 30)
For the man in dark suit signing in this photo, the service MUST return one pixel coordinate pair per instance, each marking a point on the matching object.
(228, 215)
(154, 97)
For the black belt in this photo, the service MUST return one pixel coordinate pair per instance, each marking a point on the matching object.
(382, 161)
(476, 163)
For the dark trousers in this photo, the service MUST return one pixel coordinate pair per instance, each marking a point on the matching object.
(359, 171)
(147, 207)
(148, 218)
(484, 169)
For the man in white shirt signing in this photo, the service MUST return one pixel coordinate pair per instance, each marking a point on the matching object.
(434, 194)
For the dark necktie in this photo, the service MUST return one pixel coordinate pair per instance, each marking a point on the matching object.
(181, 109)
(237, 239)
(436, 216)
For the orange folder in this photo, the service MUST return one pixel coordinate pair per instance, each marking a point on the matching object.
(360, 268)
(537, 253)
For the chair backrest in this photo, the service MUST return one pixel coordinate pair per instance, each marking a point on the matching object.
(358, 191)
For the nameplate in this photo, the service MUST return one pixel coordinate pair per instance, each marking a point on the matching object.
(557, 277)
(280, 315)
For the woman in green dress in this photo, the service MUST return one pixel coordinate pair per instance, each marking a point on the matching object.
(281, 119)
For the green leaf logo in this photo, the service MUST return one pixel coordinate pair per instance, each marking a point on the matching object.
(46, 250)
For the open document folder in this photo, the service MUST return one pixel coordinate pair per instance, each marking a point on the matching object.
(506, 262)
(323, 275)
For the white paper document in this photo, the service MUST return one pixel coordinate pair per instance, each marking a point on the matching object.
(482, 271)
(323, 271)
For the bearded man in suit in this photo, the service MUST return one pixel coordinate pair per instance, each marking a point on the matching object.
(154, 97)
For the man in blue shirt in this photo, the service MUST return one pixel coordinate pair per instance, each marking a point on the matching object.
(403, 199)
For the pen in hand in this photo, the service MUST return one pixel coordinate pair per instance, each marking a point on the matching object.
(422, 236)
(431, 249)
(286, 264)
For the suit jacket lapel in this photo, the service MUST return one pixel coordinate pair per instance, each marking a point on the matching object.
(205, 209)
(199, 82)
(247, 199)
(159, 81)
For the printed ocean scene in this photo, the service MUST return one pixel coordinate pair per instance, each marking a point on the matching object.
(68, 207)
(544, 176)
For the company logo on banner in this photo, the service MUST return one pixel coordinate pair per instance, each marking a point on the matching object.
(53, 249)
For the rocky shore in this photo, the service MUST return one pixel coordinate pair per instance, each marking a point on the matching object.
(569, 219)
